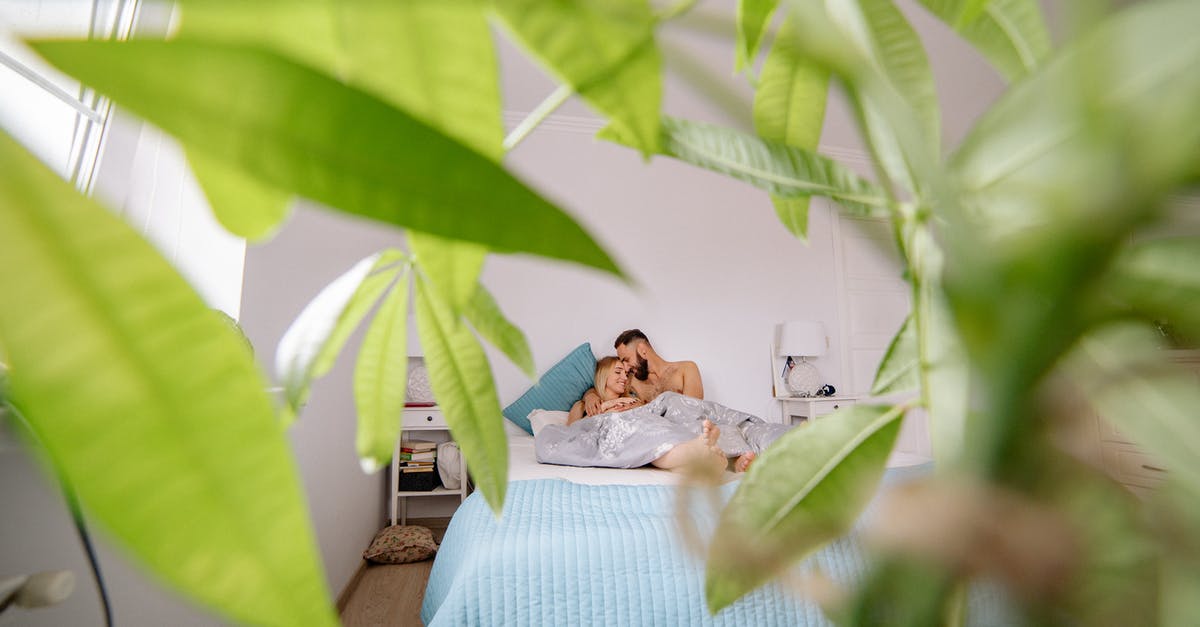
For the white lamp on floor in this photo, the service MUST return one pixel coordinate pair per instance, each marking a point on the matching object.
(799, 340)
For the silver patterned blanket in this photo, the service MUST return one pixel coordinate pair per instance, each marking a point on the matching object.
(636, 437)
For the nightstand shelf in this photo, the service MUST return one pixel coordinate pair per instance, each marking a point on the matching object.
(802, 408)
(421, 421)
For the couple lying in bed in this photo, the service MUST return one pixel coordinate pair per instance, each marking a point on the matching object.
(671, 431)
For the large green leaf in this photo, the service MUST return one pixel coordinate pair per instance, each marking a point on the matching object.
(453, 267)
(431, 58)
(310, 346)
(900, 368)
(423, 56)
(781, 170)
(298, 130)
(1010, 33)
(1062, 128)
(890, 53)
(166, 433)
(1162, 277)
(605, 50)
(244, 206)
(752, 19)
(805, 490)
(485, 315)
(462, 383)
(381, 379)
(789, 107)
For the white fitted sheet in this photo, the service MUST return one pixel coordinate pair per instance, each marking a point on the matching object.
(523, 465)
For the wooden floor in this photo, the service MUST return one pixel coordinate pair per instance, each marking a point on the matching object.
(390, 594)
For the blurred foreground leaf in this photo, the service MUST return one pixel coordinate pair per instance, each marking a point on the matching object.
(381, 379)
(484, 314)
(899, 369)
(152, 408)
(1010, 33)
(462, 383)
(605, 50)
(803, 491)
(752, 19)
(779, 169)
(789, 107)
(310, 346)
(243, 205)
(298, 130)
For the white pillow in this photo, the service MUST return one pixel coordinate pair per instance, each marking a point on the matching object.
(513, 431)
(539, 418)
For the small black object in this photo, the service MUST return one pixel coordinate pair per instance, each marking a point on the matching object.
(826, 390)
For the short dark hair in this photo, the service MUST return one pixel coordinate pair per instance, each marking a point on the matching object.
(628, 336)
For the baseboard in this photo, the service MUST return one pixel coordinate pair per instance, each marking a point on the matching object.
(351, 585)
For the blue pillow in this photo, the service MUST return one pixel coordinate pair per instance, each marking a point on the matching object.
(558, 388)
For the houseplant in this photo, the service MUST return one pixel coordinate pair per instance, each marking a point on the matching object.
(1024, 250)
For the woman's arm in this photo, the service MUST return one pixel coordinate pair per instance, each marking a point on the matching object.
(576, 412)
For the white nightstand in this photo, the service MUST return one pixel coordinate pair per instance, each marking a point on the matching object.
(418, 420)
(801, 408)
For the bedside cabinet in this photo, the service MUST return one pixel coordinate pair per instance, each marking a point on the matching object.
(798, 409)
(421, 421)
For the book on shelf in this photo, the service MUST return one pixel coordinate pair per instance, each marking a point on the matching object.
(415, 464)
(417, 469)
(423, 456)
(417, 446)
(419, 404)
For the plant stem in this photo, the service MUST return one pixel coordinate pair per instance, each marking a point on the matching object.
(76, 513)
(538, 115)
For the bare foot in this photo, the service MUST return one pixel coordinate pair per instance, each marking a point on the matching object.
(742, 464)
(710, 432)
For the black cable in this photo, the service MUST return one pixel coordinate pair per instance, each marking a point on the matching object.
(76, 514)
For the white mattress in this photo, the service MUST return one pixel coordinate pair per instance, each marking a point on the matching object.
(523, 465)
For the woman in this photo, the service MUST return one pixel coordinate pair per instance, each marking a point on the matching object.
(620, 438)
(612, 379)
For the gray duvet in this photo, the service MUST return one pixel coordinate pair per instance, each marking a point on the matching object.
(638, 436)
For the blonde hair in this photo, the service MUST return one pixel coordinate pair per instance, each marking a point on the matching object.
(604, 367)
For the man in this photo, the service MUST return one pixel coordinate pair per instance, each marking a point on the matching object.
(652, 375)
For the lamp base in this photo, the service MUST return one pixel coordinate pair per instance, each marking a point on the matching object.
(803, 379)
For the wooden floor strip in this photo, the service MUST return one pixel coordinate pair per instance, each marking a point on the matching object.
(389, 594)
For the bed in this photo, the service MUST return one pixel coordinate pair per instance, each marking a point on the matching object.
(595, 546)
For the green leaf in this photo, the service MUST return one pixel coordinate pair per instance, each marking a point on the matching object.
(310, 346)
(900, 369)
(452, 267)
(1162, 277)
(886, 41)
(1116, 579)
(1181, 555)
(243, 206)
(1061, 128)
(485, 315)
(462, 382)
(295, 129)
(805, 490)
(1012, 34)
(166, 432)
(605, 50)
(381, 379)
(752, 19)
(789, 107)
(1155, 403)
(422, 56)
(779, 169)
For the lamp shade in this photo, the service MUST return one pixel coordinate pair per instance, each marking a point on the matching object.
(800, 338)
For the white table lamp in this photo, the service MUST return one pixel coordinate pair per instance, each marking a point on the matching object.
(801, 339)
